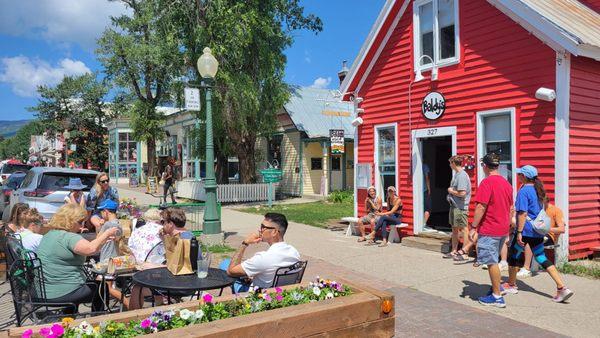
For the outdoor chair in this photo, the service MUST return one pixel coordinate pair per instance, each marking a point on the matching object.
(29, 295)
(290, 275)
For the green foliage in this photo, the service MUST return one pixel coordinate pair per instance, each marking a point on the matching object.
(583, 268)
(218, 249)
(315, 213)
(341, 196)
(18, 145)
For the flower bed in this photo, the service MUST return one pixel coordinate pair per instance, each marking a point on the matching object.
(303, 304)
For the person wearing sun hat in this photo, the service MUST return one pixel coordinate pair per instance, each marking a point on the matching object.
(531, 201)
(76, 194)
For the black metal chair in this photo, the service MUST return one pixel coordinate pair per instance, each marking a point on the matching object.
(290, 275)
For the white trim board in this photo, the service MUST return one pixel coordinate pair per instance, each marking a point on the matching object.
(561, 144)
(417, 168)
(376, 157)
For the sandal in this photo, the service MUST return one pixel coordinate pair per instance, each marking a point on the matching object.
(383, 245)
(449, 255)
(476, 264)
(362, 239)
(371, 242)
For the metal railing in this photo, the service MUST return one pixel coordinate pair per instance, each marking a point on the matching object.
(226, 193)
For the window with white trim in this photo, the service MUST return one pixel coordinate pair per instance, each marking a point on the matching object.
(435, 32)
(497, 139)
(385, 143)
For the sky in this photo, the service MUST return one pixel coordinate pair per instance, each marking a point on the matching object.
(43, 41)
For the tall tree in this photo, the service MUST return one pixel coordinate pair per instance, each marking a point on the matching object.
(141, 55)
(18, 145)
(248, 38)
(78, 105)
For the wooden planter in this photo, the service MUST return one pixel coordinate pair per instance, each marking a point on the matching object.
(360, 314)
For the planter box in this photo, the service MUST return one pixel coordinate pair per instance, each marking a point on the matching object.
(359, 314)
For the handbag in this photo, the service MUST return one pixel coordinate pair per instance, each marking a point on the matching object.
(177, 252)
(541, 223)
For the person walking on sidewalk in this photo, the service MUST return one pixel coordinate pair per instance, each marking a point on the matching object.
(531, 201)
(459, 196)
(493, 209)
(169, 181)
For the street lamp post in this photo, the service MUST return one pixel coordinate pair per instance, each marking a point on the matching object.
(66, 136)
(207, 67)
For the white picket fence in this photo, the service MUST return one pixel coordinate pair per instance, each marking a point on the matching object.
(226, 193)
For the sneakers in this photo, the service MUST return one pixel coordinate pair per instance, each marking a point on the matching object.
(509, 289)
(562, 295)
(501, 291)
(503, 265)
(523, 273)
(491, 300)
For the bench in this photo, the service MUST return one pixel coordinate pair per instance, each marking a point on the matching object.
(393, 236)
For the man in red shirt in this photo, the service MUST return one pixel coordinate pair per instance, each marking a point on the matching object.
(491, 222)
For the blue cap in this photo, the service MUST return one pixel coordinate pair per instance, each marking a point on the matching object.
(109, 205)
(528, 171)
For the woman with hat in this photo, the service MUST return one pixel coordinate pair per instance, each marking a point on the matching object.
(76, 194)
(372, 206)
(391, 217)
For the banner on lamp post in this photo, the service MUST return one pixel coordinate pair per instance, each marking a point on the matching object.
(192, 99)
(336, 137)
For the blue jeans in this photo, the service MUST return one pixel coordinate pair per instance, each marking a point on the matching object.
(239, 285)
(386, 220)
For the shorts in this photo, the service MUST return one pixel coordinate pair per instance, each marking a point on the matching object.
(516, 257)
(488, 249)
(366, 219)
(426, 202)
(458, 218)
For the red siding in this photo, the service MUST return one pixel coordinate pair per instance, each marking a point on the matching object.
(593, 4)
(501, 66)
(584, 166)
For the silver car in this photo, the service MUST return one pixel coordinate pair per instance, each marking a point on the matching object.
(43, 188)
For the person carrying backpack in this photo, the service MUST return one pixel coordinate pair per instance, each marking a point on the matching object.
(532, 225)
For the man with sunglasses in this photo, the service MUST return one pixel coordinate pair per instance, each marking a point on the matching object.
(262, 266)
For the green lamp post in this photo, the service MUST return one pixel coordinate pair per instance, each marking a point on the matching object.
(207, 67)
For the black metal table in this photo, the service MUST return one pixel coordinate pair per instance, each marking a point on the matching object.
(161, 279)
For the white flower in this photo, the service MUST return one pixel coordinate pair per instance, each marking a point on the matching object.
(198, 314)
(329, 295)
(185, 314)
(317, 291)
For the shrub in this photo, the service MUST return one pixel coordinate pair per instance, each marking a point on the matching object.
(341, 196)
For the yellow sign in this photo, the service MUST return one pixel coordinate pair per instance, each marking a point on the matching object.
(335, 113)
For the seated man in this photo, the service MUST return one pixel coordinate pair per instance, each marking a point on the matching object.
(262, 266)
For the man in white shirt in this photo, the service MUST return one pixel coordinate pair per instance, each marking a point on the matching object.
(262, 266)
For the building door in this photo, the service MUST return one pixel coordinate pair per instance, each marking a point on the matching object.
(431, 149)
(336, 180)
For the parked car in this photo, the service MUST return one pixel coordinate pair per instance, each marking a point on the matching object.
(43, 188)
(9, 168)
(13, 182)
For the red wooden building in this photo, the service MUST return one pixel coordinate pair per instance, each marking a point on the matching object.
(519, 77)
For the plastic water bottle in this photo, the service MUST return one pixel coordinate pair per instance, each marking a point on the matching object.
(194, 249)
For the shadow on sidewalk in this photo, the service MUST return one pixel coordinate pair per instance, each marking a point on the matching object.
(474, 290)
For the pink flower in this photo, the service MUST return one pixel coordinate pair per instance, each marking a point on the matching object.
(27, 334)
(207, 298)
(45, 332)
(278, 290)
(267, 297)
(279, 298)
(145, 323)
(57, 329)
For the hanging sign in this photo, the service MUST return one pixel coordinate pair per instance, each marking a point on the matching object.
(433, 106)
(336, 137)
(192, 99)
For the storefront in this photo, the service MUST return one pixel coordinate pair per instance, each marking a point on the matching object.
(125, 155)
(437, 78)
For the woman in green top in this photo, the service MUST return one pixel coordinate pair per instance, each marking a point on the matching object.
(62, 252)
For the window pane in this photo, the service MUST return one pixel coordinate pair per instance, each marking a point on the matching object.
(426, 31)
(497, 139)
(386, 144)
(316, 163)
(497, 128)
(122, 136)
(123, 154)
(335, 163)
(446, 21)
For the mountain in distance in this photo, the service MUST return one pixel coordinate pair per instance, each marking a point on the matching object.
(10, 128)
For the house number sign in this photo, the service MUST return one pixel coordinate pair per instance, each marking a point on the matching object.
(433, 106)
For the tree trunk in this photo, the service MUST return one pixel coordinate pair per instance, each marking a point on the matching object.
(151, 151)
(222, 169)
(245, 154)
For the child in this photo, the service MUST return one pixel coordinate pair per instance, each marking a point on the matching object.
(30, 226)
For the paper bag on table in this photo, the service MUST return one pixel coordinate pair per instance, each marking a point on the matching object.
(177, 252)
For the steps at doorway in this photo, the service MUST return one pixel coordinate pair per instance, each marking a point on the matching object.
(427, 243)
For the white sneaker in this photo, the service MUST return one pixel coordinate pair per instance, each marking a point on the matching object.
(503, 266)
(523, 273)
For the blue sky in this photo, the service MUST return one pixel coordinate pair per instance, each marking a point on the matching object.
(42, 41)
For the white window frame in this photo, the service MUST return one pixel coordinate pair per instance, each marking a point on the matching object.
(436, 40)
(376, 159)
(481, 140)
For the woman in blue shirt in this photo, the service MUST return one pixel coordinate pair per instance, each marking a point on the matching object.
(531, 198)
(98, 194)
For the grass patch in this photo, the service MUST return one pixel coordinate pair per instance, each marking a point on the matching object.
(583, 268)
(218, 249)
(316, 213)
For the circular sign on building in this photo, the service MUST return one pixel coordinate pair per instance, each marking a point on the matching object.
(433, 106)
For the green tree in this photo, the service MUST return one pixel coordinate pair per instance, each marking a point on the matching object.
(77, 104)
(18, 145)
(248, 38)
(141, 55)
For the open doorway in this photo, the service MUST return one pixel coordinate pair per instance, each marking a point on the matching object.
(435, 154)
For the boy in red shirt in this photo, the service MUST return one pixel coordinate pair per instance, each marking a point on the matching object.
(491, 222)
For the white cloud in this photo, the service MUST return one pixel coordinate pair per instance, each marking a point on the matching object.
(321, 82)
(24, 75)
(307, 58)
(58, 21)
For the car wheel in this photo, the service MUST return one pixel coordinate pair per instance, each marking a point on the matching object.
(6, 214)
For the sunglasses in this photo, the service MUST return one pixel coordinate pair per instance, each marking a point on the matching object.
(104, 181)
(263, 227)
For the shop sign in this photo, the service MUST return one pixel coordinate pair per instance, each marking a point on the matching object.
(336, 137)
(192, 99)
(433, 106)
